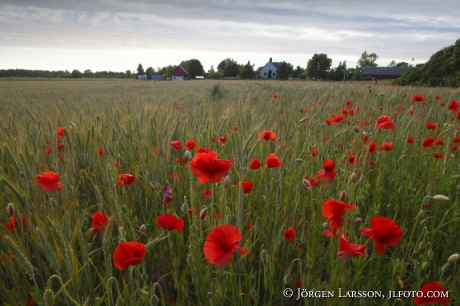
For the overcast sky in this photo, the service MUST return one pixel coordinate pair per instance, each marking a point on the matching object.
(117, 35)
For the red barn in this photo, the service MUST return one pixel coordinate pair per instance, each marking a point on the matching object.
(179, 74)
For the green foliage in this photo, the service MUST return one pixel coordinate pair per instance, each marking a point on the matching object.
(149, 72)
(224, 63)
(76, 74)
(215, 75)
(368, 59)
(340, 73)
(443, 69)
(299, 73)
(193, 67)
(231, 70)
(318, 67)
(284, 71)
(247, 71)
(140, 70)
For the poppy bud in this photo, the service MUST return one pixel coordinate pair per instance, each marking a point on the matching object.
(440, 197)
(343, 195)
(144, 277)
(299, 160)
(121, 232)
(21, 174)
(254, 293)
(229, 219)
(124, 209)
(355, 129)
(209, 295)
(303, 120)
(184, 208)
(445, 268)
(401, 283)
(325, 225)
(154, 300)
(425, 265)
(358, 221)
(48, 297)
(453, 258)
(306, 183)
(458, 187)
(263, 255)
(190, 260)
(227, 182)
(353, 177)
(120, 301)
(142, 228)
(203, 213)
(187, 156)
(421, 245)
(10, 209)
(287, 279)
(430, 253)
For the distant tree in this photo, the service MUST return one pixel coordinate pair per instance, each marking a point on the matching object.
(193, 67)
(149, 72)
(224, 63)
(76, 74)
(140, 70)
(247, 71)
(318, 66)
(232, 70)
(402, 64)
(357, 74)
(368, 60)
(211, 69)
(215, 75)
(284, 70)
(299, 72)
(392, 64)
(88, 73)
(258, 70)
(128, 73)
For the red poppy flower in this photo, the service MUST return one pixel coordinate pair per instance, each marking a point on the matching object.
(60, 146)
(453, 148)
(348, 250)
(334, 211)
(348, 102)
(328, 172)
(223, 139)
(365, 138)
(383, 231)
(60, 132)
(47, 149)
(128, 254)
(456, 139)
(167, 196)
(217, 216)
(125, 179)
(312, 181)
(386, 146)
(255, 164)
(431, 125)
(410, 140)
(49, 181)
(206, 194)
(247, 186)
(221, 244)
(384, 123)
(438, 142)
(418, 97)
(116, 164)
(438, 154)
(100, 150)
(181, 161)
(99, 222)
(192, 211)
(335, 119)
(12, 223)
(206, 167)
(437, 97)
(428, 142)
(170, 222)
(289, 234)
(351, 159)
(176, 144)
(453, 105)
(267, 135)
(273, 161)
(190, 144)
(431, 293)
(274, 96)
(345, 112)
(314, 152)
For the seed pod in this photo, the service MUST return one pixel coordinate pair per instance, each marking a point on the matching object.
(430, 254)
(190, 260)
(358, 221)
(453, 258)
(425, 265)
(10, 209)
(440, 197)
(287, 279)
(355, 129)
(48, 297)
(227, 182)
(187, 156)
(306, 183)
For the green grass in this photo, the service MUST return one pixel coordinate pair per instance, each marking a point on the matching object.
(135, 122)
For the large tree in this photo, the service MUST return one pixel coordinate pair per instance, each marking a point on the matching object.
(247, 71)
(232, 70)
(193, 67)
(224, 63)
(284, 70)
(318, 66)
(368, 59)
(128, 73)
(149, 72)
(76, 74)
(140, 70)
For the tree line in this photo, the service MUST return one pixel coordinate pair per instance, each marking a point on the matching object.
(319, 67)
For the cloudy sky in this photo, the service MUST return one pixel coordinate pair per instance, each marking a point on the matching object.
(117, 35)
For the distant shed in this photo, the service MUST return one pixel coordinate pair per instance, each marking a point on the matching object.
(199, 77)
(142, 77)
(156, 76)
(384, 73)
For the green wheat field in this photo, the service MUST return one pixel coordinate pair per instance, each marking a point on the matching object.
(54, 256)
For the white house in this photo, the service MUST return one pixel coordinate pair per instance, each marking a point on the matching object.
(270, 69)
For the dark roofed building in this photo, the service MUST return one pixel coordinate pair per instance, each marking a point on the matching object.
(384, 73)
(179, 74)
(270, 69)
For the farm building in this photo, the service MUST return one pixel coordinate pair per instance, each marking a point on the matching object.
(156, 76)
(142, 77)
(384, 73)
(269, 70)
(179, 74)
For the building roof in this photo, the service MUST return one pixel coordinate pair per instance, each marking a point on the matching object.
(179, 71)
(384, 70)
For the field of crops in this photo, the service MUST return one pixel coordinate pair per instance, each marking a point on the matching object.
(126, 192)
